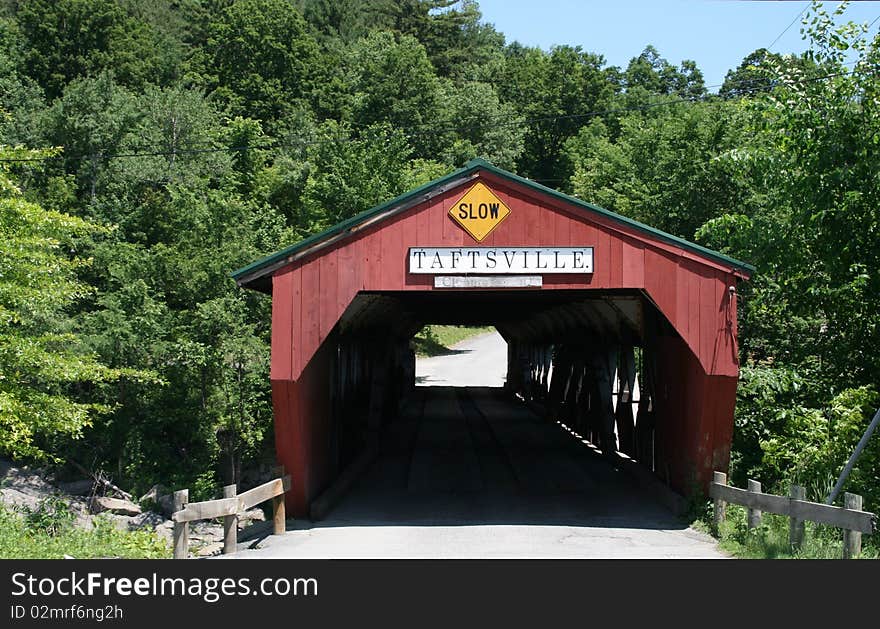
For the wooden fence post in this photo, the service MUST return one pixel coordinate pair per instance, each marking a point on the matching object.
(720, 506)
(796, 525)
(754, 514)
(230, 524)
(279, 516)
(852, 540)
(181, 529)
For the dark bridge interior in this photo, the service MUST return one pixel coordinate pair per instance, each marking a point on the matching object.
(574, 357)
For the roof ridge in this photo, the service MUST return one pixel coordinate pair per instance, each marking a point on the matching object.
(267, 264)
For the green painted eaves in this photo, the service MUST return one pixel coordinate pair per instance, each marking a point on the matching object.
(252, 270)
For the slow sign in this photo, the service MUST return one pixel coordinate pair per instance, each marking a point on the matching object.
(479, 211)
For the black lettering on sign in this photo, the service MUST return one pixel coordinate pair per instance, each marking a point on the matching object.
(538, 263)
(556, 258)
(493, 210)
(455, 256)
(419, 255)
(473, 254)
(436, 263)
(483, 210)
(490, 259)
(577, 263)
(509, 258)
(463, 210)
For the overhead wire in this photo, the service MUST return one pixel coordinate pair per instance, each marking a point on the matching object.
(785, 30)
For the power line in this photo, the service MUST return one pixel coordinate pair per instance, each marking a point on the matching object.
(420, 130)
(785, 30)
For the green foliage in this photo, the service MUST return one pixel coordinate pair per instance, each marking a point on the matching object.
(47, 533)
(69, 39)
(199, 135)
(90, 120)
(665, 168)
(479, 125)
(51, 516)
(260, 58)
(556, 91)
(42, 361)
(651, 74)
(393, 82)
(810, 446)
(770, 540)
(350, 174)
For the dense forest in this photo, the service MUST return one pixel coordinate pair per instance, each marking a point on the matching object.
(148, 148)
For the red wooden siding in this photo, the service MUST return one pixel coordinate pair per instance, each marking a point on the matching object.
(689, 292)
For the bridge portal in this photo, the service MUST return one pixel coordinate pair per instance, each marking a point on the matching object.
(590, 303)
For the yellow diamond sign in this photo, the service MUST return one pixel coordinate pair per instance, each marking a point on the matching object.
(479, 211)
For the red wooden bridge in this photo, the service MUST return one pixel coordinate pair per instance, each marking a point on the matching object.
(588, 301)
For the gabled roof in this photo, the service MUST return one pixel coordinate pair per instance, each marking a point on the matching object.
(249, 276)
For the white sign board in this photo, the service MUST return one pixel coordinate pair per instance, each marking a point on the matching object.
(501, 260)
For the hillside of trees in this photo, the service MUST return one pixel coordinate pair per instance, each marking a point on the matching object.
(149, 148)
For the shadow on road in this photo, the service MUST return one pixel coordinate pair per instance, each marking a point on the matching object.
(474, 456)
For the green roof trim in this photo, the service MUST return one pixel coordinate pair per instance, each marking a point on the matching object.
(472, 166)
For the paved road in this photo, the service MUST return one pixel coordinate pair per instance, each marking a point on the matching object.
(467, 473)
(479, 361)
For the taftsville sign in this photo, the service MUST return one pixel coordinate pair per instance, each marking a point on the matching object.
(501, 260)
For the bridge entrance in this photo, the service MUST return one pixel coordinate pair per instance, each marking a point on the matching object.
(593, 307)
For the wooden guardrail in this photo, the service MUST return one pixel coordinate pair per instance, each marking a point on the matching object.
(227, 508)
(850, 517)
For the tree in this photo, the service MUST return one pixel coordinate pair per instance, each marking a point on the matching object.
(43, 362)
(349, 174)
(70, 39)
(756, 73)
(90, 121)
(393, 82)
(651, 74)
(20, 96)
(664, 166)
(335, 20)
(260, 59)
(557, 93)
(478, 124)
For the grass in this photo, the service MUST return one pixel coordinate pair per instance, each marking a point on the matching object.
(770, 539)
(436, 340)
(47, 532)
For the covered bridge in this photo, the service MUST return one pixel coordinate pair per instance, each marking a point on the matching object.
(588, 301)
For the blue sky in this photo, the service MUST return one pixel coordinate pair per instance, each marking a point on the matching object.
(717, 34)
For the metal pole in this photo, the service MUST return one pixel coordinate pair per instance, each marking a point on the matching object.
(852, 459)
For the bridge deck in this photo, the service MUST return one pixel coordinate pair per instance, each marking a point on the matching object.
(465, 472)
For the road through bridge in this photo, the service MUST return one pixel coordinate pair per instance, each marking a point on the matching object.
(464, 472)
